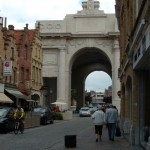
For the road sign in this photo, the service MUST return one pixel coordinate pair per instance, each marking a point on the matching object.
(119, 93)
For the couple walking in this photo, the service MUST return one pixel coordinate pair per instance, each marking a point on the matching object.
(110, 118)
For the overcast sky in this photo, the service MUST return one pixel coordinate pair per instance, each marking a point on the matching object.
(20, 12)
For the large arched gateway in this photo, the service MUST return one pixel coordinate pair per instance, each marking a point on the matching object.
(76, 46)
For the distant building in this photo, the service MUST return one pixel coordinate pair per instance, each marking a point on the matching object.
(97, 98)
(108, 95)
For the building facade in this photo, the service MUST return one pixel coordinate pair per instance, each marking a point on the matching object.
(76, 46)
(10, 66)
(36, 81)
(24, 60)
(20, 52)
(134, 25)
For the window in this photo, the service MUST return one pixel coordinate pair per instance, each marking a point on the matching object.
(15, 76)
(143, 44)
(27, 74)
(33, 73)
(25, 52)
(22, 75)
(12, 53)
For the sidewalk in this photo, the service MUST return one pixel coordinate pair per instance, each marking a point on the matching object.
(86, 141)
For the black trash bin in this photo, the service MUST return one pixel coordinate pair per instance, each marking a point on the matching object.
(70, 141)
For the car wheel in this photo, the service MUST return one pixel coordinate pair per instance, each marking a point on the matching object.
(6, 128)
(51, 121)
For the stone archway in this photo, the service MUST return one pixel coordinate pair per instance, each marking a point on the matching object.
(89, 32)
(36, 98)
(86, 61)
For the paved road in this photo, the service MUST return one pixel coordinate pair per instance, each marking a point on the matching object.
(51, 137)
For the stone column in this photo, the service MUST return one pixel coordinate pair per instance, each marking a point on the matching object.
(61, 84)
(115, 79)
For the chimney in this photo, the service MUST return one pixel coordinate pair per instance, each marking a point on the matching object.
(5, 22)
(11, 27)
(1, 23)
(1, 20)
(26, 26)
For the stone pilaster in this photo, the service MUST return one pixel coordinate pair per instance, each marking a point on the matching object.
(61, 84)
(115, 79)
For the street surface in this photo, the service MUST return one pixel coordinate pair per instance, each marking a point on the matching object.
(44, 137)
(51, 137)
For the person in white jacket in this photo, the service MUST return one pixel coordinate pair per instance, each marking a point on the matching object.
(99, 120)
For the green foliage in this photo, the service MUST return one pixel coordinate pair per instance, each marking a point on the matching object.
(57, 116)
(73, 94)
(88, 97)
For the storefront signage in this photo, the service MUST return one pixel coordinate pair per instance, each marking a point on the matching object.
(7, 68)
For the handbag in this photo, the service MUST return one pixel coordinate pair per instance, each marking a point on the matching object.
(118, 132)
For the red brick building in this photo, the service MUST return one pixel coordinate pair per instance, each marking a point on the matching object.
(24, 59)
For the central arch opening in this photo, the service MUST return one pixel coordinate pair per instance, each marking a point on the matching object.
(85, 61)
(97, 81)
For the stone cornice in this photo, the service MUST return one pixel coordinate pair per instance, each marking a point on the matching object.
(91, 16)
(54, 47)
(90, 35)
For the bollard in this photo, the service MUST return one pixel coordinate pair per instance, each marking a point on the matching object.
(70, 141)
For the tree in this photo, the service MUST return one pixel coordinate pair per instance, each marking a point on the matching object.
(73, 96)
(88, 97)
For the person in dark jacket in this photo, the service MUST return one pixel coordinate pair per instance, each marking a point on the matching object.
(111, 120)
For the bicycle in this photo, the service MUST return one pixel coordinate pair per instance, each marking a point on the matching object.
(18, 126)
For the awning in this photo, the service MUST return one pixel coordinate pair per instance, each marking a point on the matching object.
(5, 99)
(30, 100)
(16, 93)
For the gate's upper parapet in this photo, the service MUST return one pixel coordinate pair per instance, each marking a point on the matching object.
(90, 20)
(90, 7)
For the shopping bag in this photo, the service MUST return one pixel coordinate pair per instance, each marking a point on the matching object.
(118, 132)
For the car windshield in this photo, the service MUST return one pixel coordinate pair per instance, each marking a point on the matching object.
(40, 110)
(2, 112)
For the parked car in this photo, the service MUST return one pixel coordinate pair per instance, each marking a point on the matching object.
(84, 112)
(46, 114)
(93, 109)
(7, 122)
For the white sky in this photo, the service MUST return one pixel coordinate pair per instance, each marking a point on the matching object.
(20, 12)
(97, 81)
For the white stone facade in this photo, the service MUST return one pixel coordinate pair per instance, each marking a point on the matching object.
(63, 39)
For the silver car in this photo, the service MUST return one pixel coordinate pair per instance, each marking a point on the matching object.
(84, 112)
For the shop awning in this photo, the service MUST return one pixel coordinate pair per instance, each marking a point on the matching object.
(5, 99)
(30, 100)
(16, 93)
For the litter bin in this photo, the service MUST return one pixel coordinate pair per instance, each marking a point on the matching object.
(70, 141)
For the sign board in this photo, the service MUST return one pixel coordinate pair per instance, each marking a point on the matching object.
(119, 93)
(7, 68)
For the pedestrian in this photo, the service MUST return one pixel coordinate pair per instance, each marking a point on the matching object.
(111, 120)
(99, 120)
